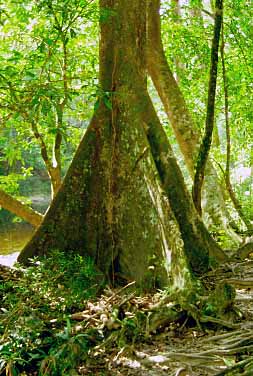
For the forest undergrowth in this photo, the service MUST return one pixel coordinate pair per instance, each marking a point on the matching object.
(59, 318)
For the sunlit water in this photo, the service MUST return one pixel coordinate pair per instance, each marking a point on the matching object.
(12, 240)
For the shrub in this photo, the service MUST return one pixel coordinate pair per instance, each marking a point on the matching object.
(35, 315)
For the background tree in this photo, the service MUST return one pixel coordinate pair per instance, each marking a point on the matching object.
(209, 124)
(184, 127)
(191, 43)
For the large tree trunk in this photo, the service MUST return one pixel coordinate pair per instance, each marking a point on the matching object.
(111, 205)
(183, 126)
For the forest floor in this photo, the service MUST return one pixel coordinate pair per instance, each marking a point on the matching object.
(222, 347)
(121, 341)
(189, 352)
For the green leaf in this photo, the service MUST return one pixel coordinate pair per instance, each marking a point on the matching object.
(72, 33)
(107, 102)
(45, 107)
(96, 105)
(49, 41)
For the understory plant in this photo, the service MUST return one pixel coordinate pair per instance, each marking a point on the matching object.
(37, 334)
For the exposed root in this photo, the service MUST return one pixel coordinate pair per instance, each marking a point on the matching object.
(245, 250)
(170, 335)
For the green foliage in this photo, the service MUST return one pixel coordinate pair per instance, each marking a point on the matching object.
(10, 183)
(220, 301)
(37, 333)
(48, 72)
(187, 39)
(132, 330)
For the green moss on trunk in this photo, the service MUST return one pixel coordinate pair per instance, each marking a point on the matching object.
(111, 204)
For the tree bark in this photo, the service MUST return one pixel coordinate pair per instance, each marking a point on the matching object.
(111, 204)
(20, 209)
(207, 139)
(168, 90)
(53, 167)
(198, 243)
(231, 192)
(183, 126)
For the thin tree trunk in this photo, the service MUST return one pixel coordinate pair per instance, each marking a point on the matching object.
(232, 195)
(53, 168)
(207, 139)
(55, 177)
(20, 209)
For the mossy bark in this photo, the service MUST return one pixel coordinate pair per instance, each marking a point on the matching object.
(112, 205)
(198, 244)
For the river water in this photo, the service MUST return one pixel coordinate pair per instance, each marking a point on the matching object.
(14, 236)
(12, 239)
